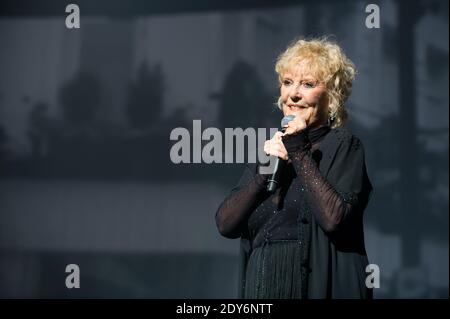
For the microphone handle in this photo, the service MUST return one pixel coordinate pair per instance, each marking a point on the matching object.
(273, 181)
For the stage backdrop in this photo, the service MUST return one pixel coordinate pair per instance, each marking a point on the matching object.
(86, 115)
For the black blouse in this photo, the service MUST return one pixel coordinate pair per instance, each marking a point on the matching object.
(320, 203)
(302, 186)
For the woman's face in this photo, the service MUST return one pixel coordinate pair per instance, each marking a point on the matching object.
(302, 95)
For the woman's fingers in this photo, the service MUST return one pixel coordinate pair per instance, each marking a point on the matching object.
(279, 154)
(289, 131)
(295, 126)
(278, 135)
(275, 147)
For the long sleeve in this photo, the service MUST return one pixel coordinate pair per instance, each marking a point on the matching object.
(233, 212)
(331, 206)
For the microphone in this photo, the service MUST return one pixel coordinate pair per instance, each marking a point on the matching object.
(279, 163)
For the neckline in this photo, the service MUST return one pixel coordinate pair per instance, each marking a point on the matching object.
(316, 134)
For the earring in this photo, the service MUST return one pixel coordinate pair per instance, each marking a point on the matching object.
(331, 119)
(280, 104)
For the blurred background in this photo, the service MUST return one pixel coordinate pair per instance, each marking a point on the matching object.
(86, 115)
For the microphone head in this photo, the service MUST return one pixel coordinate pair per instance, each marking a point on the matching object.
(286, 120)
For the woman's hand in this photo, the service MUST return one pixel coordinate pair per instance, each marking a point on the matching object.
(298, 124)
(275, 147)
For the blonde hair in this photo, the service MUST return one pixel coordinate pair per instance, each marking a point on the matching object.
(327, 62)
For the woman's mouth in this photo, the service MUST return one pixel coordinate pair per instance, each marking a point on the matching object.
(296, 106)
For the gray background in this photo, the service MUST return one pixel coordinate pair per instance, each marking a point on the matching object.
(86, 114)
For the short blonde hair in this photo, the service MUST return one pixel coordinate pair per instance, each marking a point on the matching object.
(328, 64)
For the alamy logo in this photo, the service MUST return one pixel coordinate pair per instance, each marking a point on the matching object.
(373, 279)
(373, 19)
(219, 150)
(73, 279)
(73, 19)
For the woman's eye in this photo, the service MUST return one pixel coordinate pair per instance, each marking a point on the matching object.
(309, 84)
(286, 82)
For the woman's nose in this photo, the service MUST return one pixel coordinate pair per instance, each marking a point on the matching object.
(295, 94)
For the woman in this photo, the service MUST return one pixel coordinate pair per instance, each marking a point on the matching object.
(306, 240)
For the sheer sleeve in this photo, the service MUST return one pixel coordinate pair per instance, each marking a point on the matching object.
(331, 205)
(233, 212)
